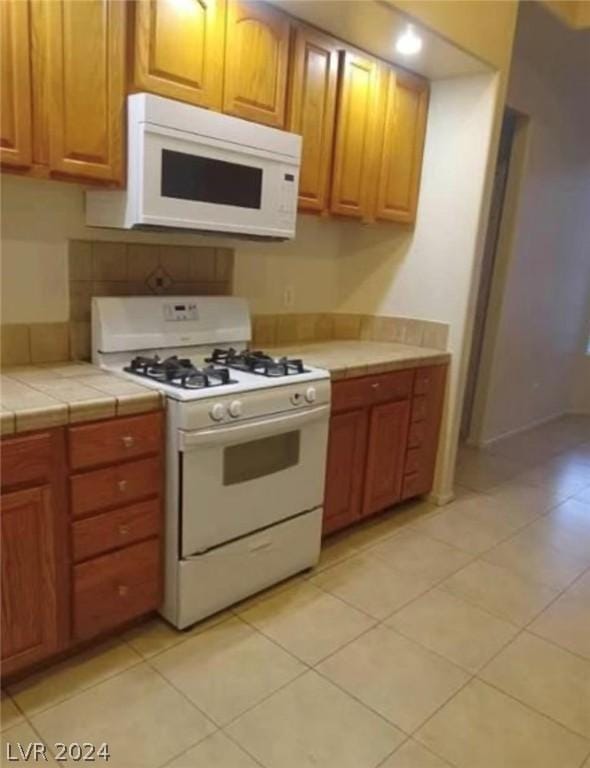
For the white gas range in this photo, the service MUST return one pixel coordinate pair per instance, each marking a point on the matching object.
(246, 445)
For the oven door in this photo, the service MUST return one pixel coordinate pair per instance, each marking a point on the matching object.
(208, 184)
(239, 478)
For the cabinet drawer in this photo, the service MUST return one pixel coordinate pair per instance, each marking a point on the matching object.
(415, 461)
(425, 381)
(118, 528)
(26, 460)
(417, 434)
(115, 588)
(108, 442)
(114, 486)
(368, 390)
(414, 485)
(419, 408)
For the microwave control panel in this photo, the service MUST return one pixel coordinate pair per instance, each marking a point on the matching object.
(179, 312)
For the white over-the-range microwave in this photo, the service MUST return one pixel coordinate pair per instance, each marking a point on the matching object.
(192, 169)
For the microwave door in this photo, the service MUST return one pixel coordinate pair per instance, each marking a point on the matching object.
(190, 182)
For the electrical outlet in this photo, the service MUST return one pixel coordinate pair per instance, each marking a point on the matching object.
(288, 297)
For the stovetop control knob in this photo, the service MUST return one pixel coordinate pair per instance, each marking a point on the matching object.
(235, 408)
(296, 398)
(217, 411)
(310, 394)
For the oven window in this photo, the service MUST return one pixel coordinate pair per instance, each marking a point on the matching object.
(203, 179)
(258, 458)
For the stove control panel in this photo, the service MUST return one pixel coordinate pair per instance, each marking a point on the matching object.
(179, 312)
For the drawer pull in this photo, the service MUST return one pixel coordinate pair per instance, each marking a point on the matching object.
(128, 441)
(124, 530)
(122, 485)
(375, 385)
(122, 590)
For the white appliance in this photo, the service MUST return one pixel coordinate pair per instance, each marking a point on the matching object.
(190, 168)
(246, 445)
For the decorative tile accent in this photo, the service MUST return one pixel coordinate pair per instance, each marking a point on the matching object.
(133, 269)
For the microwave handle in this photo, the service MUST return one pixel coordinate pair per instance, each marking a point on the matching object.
(251, 430)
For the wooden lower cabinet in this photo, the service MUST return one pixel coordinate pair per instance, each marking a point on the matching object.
(383, 442)
(76, 568)
(344, 475)
(29, 610)
(388, 435)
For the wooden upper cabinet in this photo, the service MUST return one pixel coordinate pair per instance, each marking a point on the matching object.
(312, 111)
(15, 84)
(353, 178)
(87, 81)
(404, 108)
(178, 49)
(29, 630)
(256, 62)
(388, 434)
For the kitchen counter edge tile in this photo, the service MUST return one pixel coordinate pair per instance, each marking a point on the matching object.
(36, 397)
(349, 359)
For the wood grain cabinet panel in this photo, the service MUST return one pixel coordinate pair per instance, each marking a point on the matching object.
(115, 588)
(347, 448)
(388, 435)
(256, 62)
(312, 112)
(353, 177)
(403, 126)
(15, 84)
(26, 460)
(29, 630)
(179, 48)
(87, 81)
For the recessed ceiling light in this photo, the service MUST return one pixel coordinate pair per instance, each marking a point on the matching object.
(409, 43)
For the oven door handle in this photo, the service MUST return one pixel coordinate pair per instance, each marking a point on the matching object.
(252, 429)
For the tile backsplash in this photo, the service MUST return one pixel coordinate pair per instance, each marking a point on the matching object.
(133, 269)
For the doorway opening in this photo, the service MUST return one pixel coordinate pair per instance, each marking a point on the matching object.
(510, 165)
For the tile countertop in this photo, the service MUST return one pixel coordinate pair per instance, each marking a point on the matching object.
(53, 394)
(346, 359)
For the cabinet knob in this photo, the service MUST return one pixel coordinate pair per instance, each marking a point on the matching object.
(128, 441)
(122, 590)
(122, 485)
(375, 385)
(123, 530)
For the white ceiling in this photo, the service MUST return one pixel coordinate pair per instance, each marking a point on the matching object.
(374, 26)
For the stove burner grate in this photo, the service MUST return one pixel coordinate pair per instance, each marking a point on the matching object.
(179, 372)
(256, 361)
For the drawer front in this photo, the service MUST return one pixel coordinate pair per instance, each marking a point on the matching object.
(417, 434)
(368, 390)
(415, 461)
(419, 408)
(114, 486)
(118, 528)
(115, 588)
(414, 485)
(26, 460)
(108, 442)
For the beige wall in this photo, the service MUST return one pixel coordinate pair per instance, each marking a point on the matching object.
(534, 354)
(39, 217)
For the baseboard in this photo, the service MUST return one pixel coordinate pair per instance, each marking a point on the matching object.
(440, 499)
(511, 432)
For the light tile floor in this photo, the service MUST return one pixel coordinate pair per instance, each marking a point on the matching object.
(427, 638)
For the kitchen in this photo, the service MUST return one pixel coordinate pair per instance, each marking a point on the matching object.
(236, 319)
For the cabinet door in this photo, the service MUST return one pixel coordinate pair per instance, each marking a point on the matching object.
(353, 178)
(15, 84)
(404, 109)
(29, 612)
(312, 110)
(345, 470)
(256, 61)
(388, 434)
(178, 50)
(87, 85)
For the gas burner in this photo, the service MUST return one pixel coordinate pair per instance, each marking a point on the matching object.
(179, 372)
(256, 361)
